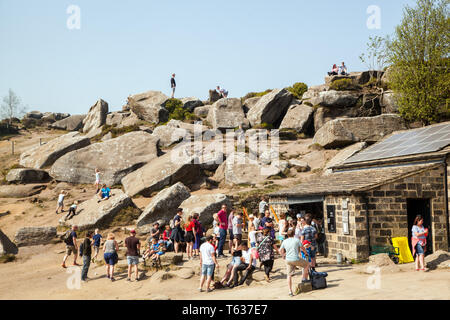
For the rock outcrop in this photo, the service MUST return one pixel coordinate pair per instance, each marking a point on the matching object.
(6, 245)
(298, 117)
(20, 191)
(345, 131)
(168, 135)
(271, 108)
(115, 158)
(95, 118)
(72, 123)
(149, 106)
(45, 155)
(25, 175)
(31, 236)
(122, 119)
(191, 103)
(388, 102)
(93, 214)
(205, 205)
(202, 112)
(226, 113)
(162, 206)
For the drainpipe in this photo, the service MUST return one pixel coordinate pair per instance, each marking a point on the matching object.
(446, 200)
(366, 202)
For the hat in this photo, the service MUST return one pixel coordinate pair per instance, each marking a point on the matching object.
(132, 231)
(305, 242)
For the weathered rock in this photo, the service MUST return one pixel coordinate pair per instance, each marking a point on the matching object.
(226, 113)
(213, 96)
(45, 155)
(50, 117)
(149, 106)
(202, 112)
(160, 172)
(250, 103)
(299, 165)
(298, 117)
(364, 76)
(311, 97)
(324, 114)
(342, 132)
(333, 98)
(122, 119)
(184, 273)
(388, 102)
(241, 169)
(30, 236)
(205, 205)
(191, 103)
(171, 258)
(162, 206)
(438, 260)
(6, 245)
(34, 115)
(96, 117)
(26, 175)
(72, 123)
(168, 135)
(107, 137)
(271, 108)
(343, 155)
(114, 158)
(20, 191)
(93, 214)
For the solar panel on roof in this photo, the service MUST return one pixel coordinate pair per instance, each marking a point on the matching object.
(417, 141)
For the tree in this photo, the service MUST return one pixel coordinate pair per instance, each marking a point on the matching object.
(375, 58)
(11, 107)
(419, 58)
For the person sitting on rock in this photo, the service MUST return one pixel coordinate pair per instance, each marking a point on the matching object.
(72, 210)
(105, 193)
(334, 71)
(158, 250)
(223, 93)
(343, 69)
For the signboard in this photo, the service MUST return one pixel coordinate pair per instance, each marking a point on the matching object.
(345, 228)
(331, 218)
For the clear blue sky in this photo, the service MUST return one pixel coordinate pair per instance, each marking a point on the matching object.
(128, 47)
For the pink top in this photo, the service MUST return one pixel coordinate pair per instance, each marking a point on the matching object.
(222, 215)
(230, 221)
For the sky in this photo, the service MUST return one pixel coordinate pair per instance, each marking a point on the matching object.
(129, 47)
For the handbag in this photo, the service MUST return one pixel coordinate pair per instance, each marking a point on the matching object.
(318, 279)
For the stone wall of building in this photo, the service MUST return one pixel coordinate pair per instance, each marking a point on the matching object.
(387, 206)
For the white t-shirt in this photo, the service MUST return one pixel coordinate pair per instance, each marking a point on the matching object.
(207, 251)
(252, 236)
(281, 225)
(97, 176)
(298, 233)
(246, 255)
(61, 198)
(256, 223)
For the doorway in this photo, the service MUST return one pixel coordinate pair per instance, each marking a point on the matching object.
(420, 207)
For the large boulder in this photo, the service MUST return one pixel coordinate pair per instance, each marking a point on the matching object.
(34, 115)
(20, 191)
(345, 131)
(25, 175)
(388, 102)
(149, 106)
(115, 158)
(72, 123)
(202, 112)
(122, 119)
(333, 98)
(191, 103)
(271, 108)
(240, 168)
(50, 117)
(213, 96)
(226, 113)
(250, 103)
(343, 155)
(6, 245)
(93, 214)
(45, 155)
(205, 205)
(95, 118)
(298, 117)
(168, 135)
(162, 206)
(311, 97)
(31, 236)
(166, 170)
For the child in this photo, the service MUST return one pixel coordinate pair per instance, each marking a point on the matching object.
(166, 237)
(97, 238)
(72, 210)
(97, 180)
(252, 235)
(61, 201)
(216, 229)
(282, 230)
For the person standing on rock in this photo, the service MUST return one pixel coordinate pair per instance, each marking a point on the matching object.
(208, 263)
(97, 237)
(133, 246)
(110, 249)
(173, 85)
(290, 249)
(60, 203)
(71, 246)
(97, 180)
(177, 231)
(223, 226)
(87, 252)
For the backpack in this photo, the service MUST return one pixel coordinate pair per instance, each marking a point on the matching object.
(318, 279)
(67, 236)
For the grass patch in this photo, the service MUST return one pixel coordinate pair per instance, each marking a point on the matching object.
(126, 216)
(115, 131)
(315, 146)
(7, 258)
(344, 84)
(255, 94)
(264, 125)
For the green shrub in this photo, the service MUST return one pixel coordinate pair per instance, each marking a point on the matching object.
(343, 84)
(177, 112)
(298, 89)
(255, 94)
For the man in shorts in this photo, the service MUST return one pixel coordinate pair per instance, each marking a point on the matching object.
(71, 247)
(208, 262)
(133, 246)
(290, 251)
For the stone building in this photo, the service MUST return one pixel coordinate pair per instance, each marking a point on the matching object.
(376, 194)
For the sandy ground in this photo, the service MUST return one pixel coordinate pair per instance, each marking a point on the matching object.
(37, 274)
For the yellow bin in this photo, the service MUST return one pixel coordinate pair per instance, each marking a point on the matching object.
(405, 255)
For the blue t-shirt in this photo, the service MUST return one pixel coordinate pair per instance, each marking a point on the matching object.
(105, 192)
(96, 238)
(309, 233)
(69, 242)
(292, 247)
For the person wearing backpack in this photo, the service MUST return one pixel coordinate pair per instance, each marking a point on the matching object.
(70, 239)
(198, 235)
(86, 252)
